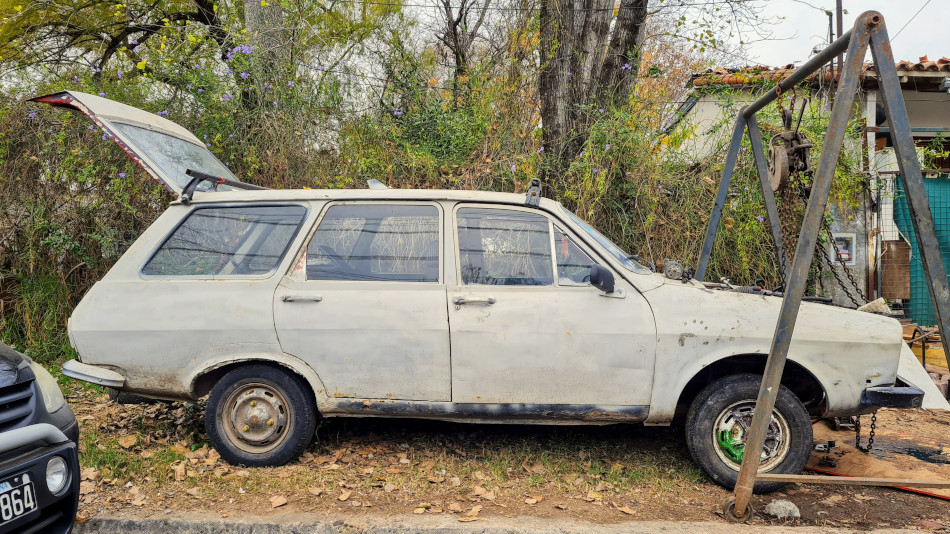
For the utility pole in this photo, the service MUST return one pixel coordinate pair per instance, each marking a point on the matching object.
(840, 60)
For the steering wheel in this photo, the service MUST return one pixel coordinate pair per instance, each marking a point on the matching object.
(335, 259)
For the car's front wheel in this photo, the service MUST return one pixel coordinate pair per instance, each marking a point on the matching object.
(718, 424)
(259, 415)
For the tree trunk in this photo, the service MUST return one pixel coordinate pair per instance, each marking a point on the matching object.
(271, 59)
(586, 66)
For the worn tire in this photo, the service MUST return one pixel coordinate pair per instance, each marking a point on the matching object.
(729, 399)
(258, 415)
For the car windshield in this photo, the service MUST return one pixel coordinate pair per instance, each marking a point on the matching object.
(174, 156)
(618, 254)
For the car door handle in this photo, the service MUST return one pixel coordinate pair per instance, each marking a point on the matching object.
(301, 298)
(458, 301)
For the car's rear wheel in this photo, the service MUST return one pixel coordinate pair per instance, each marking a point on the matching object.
(259, 415)
(719, 421)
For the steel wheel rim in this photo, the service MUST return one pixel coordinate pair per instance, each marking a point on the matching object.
(731, 430)
(256, 417)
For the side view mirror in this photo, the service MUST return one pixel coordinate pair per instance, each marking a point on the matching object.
(602, 278)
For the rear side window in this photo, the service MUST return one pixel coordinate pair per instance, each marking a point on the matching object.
(228, 241)
(376, 242)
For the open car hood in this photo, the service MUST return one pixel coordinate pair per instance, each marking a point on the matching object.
(164, 149)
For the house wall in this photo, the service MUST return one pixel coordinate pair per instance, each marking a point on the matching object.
(711, 121)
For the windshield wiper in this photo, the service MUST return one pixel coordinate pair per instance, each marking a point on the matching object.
(198, 177)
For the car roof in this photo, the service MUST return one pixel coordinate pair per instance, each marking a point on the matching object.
(285, 195)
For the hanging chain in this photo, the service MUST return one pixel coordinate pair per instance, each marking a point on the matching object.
(831, 263)
(857, 433)
(834, 272)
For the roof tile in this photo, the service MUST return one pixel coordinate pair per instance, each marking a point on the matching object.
(749, 75)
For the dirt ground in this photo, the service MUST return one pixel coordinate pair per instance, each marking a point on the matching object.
(152, 460)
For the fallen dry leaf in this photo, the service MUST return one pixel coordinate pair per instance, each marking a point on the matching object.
(389, 487)
(128, 441)
(466, 519)
(530, 500)
(315, 490)
(86, 487)
(455, 507)
(345, 495)
(419, 511)
(179, 472)
(277, 501)
(627, 510)
(193, 492)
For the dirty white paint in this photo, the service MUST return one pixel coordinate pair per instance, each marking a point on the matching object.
(535, 354)
(550, 345)
(911, 372)
(845, 350)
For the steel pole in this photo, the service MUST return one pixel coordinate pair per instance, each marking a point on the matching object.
(921, 216)
(857, 43)
(801, 73)
(727, 171)
(755, 138)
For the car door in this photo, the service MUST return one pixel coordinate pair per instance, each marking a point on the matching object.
(527, 327)
(365, 304)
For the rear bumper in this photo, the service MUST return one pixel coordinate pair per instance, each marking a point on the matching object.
(93, 374)
(892, 397)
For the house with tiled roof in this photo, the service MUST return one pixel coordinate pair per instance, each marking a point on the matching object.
(881, 250)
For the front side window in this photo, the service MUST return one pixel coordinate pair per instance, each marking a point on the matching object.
(228, 241)
(504, 247)
(616, 252)
(573, 264)
(376, 242)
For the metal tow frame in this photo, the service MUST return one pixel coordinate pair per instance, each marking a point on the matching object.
(869, 31)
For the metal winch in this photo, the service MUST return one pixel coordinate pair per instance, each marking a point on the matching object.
(789, 152)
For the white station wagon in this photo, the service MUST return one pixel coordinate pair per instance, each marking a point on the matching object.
(290, 305)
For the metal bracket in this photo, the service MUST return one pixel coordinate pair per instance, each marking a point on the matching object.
(533, 198)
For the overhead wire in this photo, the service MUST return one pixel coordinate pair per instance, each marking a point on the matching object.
(911, 19)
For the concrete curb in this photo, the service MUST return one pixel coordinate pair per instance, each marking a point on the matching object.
(319, 524)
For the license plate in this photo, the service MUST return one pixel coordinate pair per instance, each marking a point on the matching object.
(17, 498)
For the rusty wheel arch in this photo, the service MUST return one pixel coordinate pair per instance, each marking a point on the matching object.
(796, 377)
